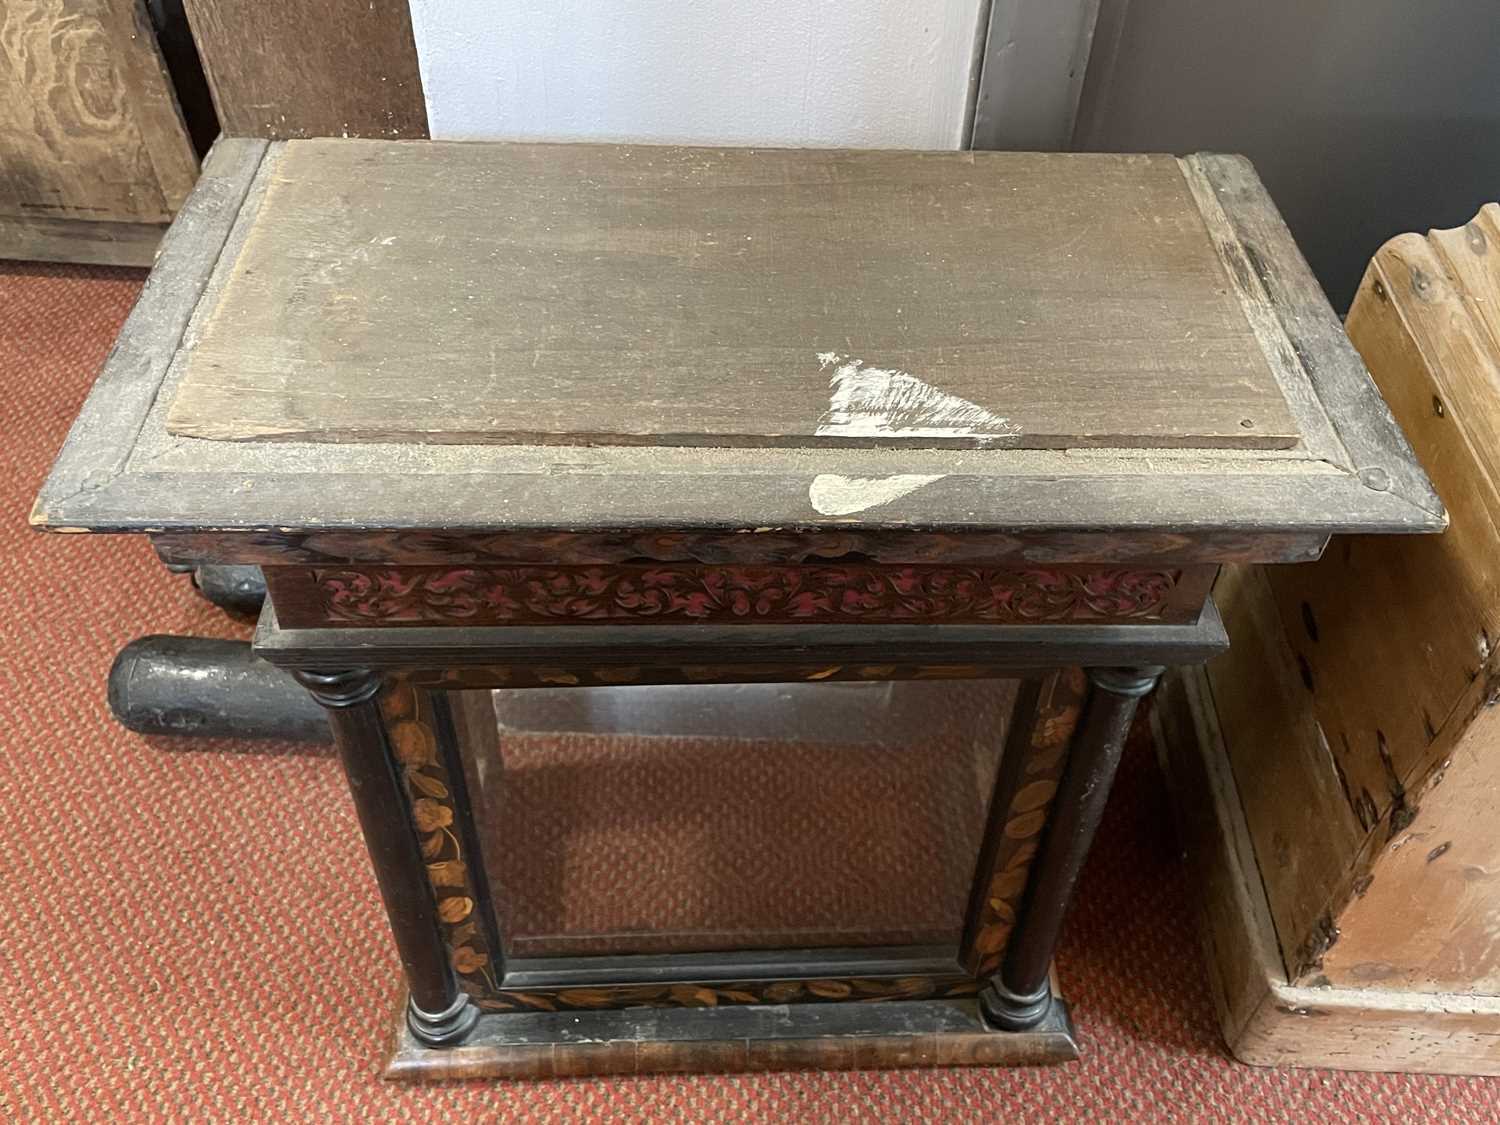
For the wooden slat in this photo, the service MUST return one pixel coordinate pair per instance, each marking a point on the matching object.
(1301, 811)
(628, 295)
(80, 240)
(288, 68)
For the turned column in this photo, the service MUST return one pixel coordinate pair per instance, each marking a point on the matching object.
(1019, 996)
(438, 1012)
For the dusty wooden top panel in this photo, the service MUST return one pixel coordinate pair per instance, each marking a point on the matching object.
(574, 294)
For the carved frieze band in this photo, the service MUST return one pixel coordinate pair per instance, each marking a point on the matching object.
(690, 593)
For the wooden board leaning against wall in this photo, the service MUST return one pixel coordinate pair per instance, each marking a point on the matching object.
(94, 157)
(1354, 870)
(287, 68)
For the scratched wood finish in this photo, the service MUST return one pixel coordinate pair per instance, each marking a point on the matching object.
(287, 68)
(1352, 471)
(580, 294)
(94, 157)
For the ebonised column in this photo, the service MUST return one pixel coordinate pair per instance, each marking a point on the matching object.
(1020, 994)
(438, 1012)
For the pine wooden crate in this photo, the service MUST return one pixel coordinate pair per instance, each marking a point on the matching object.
(1337, 772)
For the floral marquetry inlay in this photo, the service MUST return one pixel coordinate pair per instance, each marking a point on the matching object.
(695, 593)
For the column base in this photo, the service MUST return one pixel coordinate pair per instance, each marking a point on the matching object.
(447, 1028)
(1011, 1012)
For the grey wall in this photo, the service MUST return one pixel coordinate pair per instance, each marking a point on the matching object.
(1365, 118)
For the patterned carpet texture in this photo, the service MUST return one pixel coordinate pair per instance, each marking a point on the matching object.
(190, 930)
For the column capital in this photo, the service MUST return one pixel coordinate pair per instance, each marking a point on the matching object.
(336, 690)
(1134, 682)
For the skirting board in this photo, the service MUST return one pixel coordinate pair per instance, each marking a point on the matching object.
(1266, 1020)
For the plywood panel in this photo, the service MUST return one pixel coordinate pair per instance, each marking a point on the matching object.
(89, 129)
(288, 68)
(606, 294)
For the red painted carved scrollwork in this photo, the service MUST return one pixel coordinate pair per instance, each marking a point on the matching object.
(692, 593)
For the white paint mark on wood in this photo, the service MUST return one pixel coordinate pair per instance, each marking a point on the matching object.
(835, 495)
(868, 401)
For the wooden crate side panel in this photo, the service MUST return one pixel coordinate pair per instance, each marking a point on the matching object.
(1302, 822)
(88, 124)
(1391, 632)
(1428, 919)
(1265, 1020)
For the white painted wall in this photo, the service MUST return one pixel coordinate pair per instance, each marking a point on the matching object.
(877, 73)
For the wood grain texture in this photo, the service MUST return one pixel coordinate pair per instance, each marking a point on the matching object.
(80, 240)
(105, 431)
(123, 471)
(1306, 846)
(1365, 683)
(336, 68)
(1267, 1020)
(632, 295)
(1406, 694)
(89, 127)
(1373, 447)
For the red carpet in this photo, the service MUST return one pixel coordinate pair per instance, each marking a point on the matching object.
(190, 931)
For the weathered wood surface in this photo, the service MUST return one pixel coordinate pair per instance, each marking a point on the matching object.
(1429, 912)
(80, 240)
(604, 294)
(1399, 636)
(1305, 826)
(1352, 730)
(103, 436)
(89, 132)
(1266, 1019)
(286, 68)
(123, 470)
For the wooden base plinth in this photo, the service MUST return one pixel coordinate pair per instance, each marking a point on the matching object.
(730, 1039)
